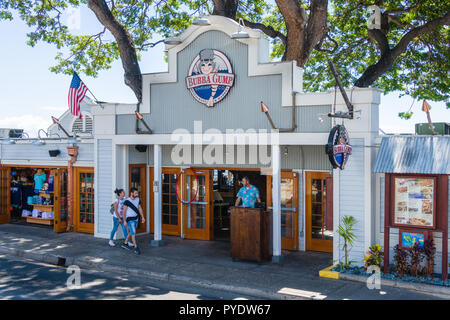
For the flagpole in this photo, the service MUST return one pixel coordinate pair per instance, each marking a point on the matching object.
(96, 100)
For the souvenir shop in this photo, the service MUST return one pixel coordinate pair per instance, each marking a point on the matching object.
(38, 195)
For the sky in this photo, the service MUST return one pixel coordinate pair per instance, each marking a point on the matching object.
(30, 94)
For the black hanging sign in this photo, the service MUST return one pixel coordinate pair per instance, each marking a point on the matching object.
(338, 147)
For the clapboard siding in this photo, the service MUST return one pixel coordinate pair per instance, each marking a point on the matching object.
(136, 157)
(27, 151)
(104, 185)
(351, 197)
(173, 107)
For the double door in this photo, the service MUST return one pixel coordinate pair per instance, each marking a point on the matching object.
(194, 212)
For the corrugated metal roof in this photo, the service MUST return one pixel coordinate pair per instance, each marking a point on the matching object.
(414, 154)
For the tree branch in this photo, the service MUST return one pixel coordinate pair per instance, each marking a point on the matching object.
(127, 50)
(268, 30)
(387, 58)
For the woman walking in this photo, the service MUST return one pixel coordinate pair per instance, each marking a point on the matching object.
(118, 218)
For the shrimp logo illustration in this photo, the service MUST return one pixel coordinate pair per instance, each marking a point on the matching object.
(210, 77)
(338, 147)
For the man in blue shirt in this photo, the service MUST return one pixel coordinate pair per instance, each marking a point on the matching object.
(248, 194)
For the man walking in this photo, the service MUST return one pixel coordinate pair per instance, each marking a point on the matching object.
(132, 209)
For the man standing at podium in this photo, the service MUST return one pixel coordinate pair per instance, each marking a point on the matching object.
(249, 194)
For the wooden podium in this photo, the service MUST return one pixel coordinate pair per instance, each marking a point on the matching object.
(249, 234)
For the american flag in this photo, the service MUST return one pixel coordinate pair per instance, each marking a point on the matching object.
(77, 91)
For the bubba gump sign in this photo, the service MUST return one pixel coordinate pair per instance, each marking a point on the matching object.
(210, 77)
(338, 147)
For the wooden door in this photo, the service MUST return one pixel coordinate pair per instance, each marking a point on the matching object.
(318, 235)
(5, 194)
(289, 208)
(84, 200)
(170, 206)
(138, 180)
(60, 200)
(198, 215)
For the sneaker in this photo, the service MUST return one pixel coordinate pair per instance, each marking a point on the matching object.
(137, 251)
(130, 244)
(111, 243)
(124, 246)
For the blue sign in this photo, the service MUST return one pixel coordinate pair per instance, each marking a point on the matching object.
(410, 239)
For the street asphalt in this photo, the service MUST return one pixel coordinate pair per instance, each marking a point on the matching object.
(23, 279)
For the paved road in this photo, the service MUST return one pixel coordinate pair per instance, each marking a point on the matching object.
(26, 279)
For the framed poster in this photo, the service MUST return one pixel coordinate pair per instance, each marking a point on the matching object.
(408, 238)
(414, 202)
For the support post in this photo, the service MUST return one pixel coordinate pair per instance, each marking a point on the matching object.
(276, 203)
(73, 153)
(157, 232)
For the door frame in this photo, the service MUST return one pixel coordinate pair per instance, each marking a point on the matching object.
(208, 232)
(78, 226)
(142, 227)
(167, 228)
(286, 243)
(5, 218)
(319, 245)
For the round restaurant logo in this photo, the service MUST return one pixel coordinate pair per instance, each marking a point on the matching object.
(210, 77)
(338, 147)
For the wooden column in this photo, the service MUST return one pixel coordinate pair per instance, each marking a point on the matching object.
(443, 210)
(73, 153)
(387, 215)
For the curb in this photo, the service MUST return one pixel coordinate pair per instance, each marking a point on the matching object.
(159, 276)
(420, 287)
(327, 273)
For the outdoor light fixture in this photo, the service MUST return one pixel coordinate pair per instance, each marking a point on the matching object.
(201, 22)
(286, 151)
(73, 140)
(140, 118)
(39, 141)
(8, 141)
(172, 40)
(54, 153)
(240, 34)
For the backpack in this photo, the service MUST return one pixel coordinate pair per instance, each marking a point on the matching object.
(112, 209)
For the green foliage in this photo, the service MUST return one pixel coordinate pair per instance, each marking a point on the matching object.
(405, 115)
(374, 256)
(347, 231)
(422, 71)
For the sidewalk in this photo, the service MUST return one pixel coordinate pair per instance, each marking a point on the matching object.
(194, 263)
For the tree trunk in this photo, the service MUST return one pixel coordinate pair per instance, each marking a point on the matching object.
(127, 50)
(226, 8)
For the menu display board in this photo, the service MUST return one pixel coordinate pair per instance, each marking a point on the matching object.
(414, 201)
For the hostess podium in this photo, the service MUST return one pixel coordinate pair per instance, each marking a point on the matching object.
(250, 234)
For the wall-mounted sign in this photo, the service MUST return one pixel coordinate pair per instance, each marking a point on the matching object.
(338, 147)
(409, 239)
(414, 202)
(210, 77)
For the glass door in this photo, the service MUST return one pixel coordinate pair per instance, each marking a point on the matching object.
(171, 208)
(138, 180)
(289, 208)
(5, 181)
(319, 235)
(60, 200)
(198, 213)
(84, 200)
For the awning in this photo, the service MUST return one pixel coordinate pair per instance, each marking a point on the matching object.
(414, 154)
